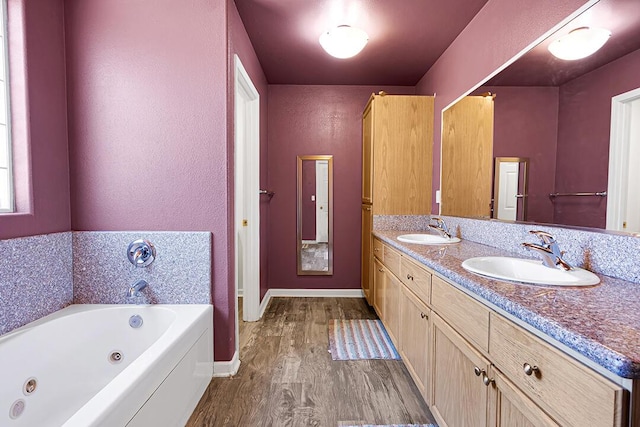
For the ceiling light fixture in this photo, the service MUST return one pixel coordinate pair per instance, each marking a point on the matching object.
(579, 43)
(343, 41)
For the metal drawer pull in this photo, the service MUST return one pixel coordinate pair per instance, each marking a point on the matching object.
(529, 370)
(486, 380)
(478, 371)
(409, 277)
(424, 316)
(381, 270)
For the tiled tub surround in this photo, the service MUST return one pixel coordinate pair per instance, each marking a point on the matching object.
(35, 278)
(180, 274)
(601, 323)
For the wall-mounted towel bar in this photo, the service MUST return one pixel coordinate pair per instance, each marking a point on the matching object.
(600, 193)
(268, 193)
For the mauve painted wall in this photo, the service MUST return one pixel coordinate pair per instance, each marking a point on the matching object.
(307, 120)
(498, 32)
(240, 45)
(308, 206)
(44, 126)
(526, 125)
(583, 135)
(147, 126)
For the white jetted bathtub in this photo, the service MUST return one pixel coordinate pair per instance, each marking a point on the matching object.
(108, 366)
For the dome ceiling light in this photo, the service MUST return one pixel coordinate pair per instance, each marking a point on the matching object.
(343, 41)
(579, 43)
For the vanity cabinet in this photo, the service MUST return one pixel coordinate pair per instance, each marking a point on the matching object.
(397, 145)
(570, 392)
(475, 367)
(414, 339)
(459, 396)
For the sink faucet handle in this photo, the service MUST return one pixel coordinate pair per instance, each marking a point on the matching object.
(546, 238)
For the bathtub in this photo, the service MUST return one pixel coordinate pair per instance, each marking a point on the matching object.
(107, 365)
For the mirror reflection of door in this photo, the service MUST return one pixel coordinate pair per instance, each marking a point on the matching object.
(510, 188)
(315, 219)
(623, 204)
(322, 201)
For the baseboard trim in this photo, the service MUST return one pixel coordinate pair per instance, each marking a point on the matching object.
(227, 369)
(265, 303)
(316, 293)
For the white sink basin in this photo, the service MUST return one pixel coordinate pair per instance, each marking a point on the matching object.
(427, 239)
(529, 271)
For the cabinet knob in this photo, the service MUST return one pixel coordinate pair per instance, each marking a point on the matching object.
(530, 370)
(486, 380)
(376, 249)
(381, 270)
(477, 371)
(424, 316)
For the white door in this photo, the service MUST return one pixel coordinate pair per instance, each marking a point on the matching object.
(623, 192)
(508, 190)
(322, 201)
(247, 193)
(631, 220)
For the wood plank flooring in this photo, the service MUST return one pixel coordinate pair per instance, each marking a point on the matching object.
(287, 377)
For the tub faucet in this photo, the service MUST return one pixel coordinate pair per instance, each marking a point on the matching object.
(134, 290)
(549, 250)
(440, 227)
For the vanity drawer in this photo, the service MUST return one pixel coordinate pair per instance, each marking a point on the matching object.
(378, 251)
(416, 278)
(463, 313)
(570, 392)
(392, 259)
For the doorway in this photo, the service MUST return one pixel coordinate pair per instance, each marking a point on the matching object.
(246, 196)
(623, 198)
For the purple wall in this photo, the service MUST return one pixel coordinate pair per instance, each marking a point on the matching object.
(317, 120)
(308, 206)
(147, 126)
(526, 125)
(41, 159)
(498, 32)
(240, 45)
(583, 135)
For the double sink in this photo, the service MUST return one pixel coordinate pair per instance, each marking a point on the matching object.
(519, 270)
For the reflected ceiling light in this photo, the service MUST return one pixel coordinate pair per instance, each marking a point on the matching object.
(579, 43)
(343, 41)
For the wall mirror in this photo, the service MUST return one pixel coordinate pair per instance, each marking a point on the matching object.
(558, 115)
(315, 215)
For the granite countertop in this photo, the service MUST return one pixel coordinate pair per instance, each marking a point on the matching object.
(601, 322)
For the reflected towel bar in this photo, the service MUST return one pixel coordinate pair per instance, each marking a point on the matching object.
(268, 193)
(600, 193)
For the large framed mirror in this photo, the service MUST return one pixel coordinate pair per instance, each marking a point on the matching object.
(315, 215)
(558, 115)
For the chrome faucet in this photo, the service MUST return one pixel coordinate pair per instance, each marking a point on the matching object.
(549, 250)
(440, 227)
(134, 290)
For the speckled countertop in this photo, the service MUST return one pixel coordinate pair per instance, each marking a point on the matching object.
(601, 322)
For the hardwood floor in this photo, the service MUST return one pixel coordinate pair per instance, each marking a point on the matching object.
(287, 377)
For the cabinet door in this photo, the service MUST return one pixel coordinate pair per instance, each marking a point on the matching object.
(366, 259)
(414, 339)
(392, 306)
(509, 407)
(379, 287)
(367, 153)
(459, 396)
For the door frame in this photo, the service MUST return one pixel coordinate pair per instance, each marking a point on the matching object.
(246, 193)
(618, 158)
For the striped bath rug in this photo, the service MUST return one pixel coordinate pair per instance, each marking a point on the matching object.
(394, 425)
(360, 339)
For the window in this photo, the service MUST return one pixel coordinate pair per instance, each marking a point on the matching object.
(6, 176)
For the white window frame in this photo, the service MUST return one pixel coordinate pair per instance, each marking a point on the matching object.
(4, 62)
